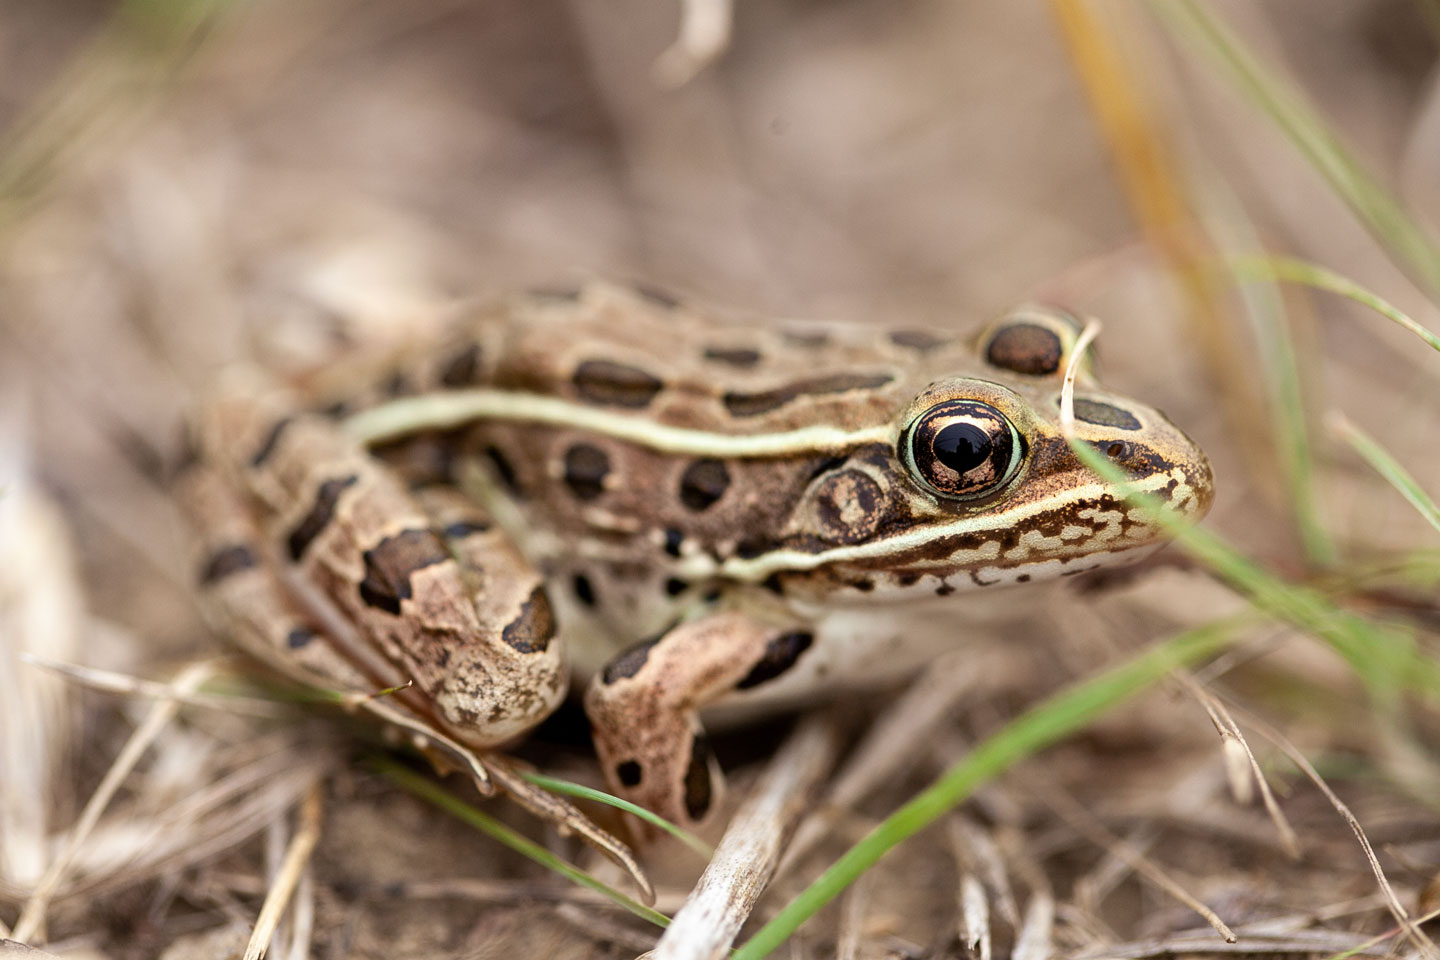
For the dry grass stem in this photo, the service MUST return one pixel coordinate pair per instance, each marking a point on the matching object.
(1230, 733)
(606, 928)
(302, 926)
(875, 761)
(1089, 826)
(748, 854)
(110, 681)
(32, 917)
(1252, 943)
(292, 867)
(12, 950)
(853, 907)
(974, 917)
(975, 850)
(553, 808)
(705, 27)
(1035, 938)
(1420, 938)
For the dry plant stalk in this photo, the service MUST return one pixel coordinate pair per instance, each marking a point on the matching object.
(32, 918)
(875, 761)
(750, 851)
(297, 857)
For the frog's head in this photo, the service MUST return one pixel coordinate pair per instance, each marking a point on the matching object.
(978, 487)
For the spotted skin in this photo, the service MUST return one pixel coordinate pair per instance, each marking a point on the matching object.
(731, 493)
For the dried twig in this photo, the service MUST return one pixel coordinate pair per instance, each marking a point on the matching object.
(1034, 941)
(297, 856)
(1090, 827)
(33, 916)
(704, 34)
(852, 919)
(974, 917)
(875, 761)
(750, 850)
(976, 852)
(1397, 910)
(113, 682)
(1230, 733)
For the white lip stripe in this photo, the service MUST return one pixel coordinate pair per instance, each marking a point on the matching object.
(437, 411)
(758, 568)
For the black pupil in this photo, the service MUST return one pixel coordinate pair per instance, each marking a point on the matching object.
(962, 447)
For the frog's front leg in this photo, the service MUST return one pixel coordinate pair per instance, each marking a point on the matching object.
(644, 707)
(409, 589)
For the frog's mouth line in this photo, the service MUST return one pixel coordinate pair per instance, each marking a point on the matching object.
(922, 542)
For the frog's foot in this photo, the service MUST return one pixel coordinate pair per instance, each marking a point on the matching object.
(644, 708)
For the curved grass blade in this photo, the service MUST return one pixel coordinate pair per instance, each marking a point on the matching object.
(1056, 718)
(1321, 278)
(1388, 467)
(1408, 244)
(1383, 655)
(600, 796)
(430, 791)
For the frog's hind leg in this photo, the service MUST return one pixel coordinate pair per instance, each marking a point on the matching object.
(245, 597)
(644, 707)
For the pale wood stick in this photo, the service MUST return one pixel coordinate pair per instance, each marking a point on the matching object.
(297, 856)
(748, 854)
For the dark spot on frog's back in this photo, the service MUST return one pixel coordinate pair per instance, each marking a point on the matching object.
(753, 404)
(321, 512)
(615, 384)
(1105, 415)
(1025, 348)
(584, 589)
(920, 340)
(742, 358)
(534, 628)
(462, 369)
(704, 482)
(585, 469)
(390, 564)
(227, 560)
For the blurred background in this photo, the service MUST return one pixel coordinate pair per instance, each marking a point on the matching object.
(185, 185)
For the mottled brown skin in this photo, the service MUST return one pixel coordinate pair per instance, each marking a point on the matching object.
(628, 500)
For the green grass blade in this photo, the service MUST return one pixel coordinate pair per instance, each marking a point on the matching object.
(1406, 241)
(1388, 467)
(1314, 275)
(1383, 655)
(1283, 385)
(600, 796)
(432, 792)
(1036, 729)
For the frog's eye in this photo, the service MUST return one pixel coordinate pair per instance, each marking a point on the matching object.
(962, 449)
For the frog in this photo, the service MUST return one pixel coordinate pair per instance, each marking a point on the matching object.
(687, 514)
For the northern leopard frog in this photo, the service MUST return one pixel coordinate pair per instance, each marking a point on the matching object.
(699, 512)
